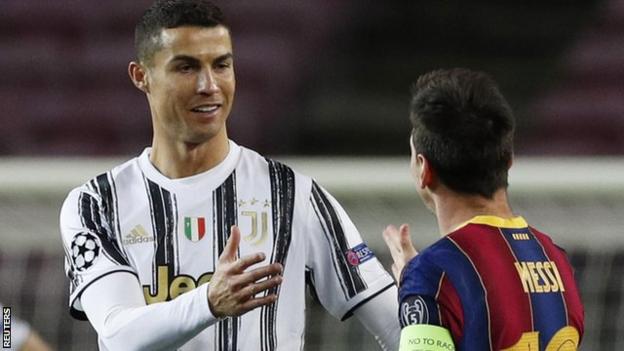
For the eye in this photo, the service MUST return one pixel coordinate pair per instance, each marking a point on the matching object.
(185, 68)
(223, 65)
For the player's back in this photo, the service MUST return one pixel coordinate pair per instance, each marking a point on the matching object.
(496, 285)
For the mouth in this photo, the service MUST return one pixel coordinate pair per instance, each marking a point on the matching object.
(207, 110)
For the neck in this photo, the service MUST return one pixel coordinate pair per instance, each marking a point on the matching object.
(453, 210)
(175, 159)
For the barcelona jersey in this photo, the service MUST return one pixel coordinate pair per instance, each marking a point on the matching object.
(495, 284)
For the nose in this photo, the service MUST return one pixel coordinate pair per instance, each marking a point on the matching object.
(207, 83)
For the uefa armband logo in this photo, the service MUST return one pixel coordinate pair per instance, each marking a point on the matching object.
(414, 311)
(85, 249)
(359, 254)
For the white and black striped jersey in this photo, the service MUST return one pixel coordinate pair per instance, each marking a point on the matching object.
(170, 233)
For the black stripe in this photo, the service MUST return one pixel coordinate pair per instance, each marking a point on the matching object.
(317, 211)
(311, 283)
(90, 216)
(161, 206)
(106, 190)
(225, 215)
(92, 185)
(175, 239)
(351, 277)
(283, 202)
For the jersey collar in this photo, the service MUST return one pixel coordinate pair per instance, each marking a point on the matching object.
(212, 177)
(494, 221)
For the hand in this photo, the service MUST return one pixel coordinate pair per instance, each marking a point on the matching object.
(401, 248)
(232, 291)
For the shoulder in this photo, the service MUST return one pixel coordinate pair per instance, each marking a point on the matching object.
(427, 259)
(548, 244)
(423, 273)
(274, 169)
(543, 238)
(97, 188)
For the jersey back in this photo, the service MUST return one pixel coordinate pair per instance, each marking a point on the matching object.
(496, 284)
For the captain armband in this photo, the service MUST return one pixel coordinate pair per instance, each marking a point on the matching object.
(425, 337)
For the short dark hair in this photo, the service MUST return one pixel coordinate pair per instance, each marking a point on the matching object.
(172, 14)
(464, 126)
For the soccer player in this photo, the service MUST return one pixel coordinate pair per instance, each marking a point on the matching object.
(493, 282)
(199, 243)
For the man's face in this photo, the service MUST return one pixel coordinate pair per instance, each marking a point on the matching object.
(190, 84)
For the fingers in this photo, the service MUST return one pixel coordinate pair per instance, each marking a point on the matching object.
(259, 273)
(392, 240)
(256, 288)
(405, 241)
(230, 251)
(246, 261)
(259, 302)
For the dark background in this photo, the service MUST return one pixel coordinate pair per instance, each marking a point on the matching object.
(319, 77)
(323, 77)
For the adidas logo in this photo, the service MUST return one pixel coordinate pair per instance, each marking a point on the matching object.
(137, 235)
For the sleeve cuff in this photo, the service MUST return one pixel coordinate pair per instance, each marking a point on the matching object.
(349, 313)
(75, 306)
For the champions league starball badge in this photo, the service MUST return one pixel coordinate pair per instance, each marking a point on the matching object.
(85, 250)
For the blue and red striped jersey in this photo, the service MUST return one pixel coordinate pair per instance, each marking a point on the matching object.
(495, 284)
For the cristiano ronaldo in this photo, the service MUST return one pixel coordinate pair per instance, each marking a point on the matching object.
(199, 243)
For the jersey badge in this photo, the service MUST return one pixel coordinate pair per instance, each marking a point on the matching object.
(256, 229)
(194, 228)
(414, 311)
(359, 254)
(85, 248)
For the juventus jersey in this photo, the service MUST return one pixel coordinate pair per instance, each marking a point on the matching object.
(169, 233)
(496, 284)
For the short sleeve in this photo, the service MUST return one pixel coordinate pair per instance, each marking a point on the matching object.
(341, 268)
(420, 282)
(91, 249)
(427, 296)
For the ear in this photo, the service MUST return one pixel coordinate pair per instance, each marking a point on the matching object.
(138, 75)
(426, 172)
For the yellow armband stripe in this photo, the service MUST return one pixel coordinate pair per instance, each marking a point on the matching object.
(425, 337)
